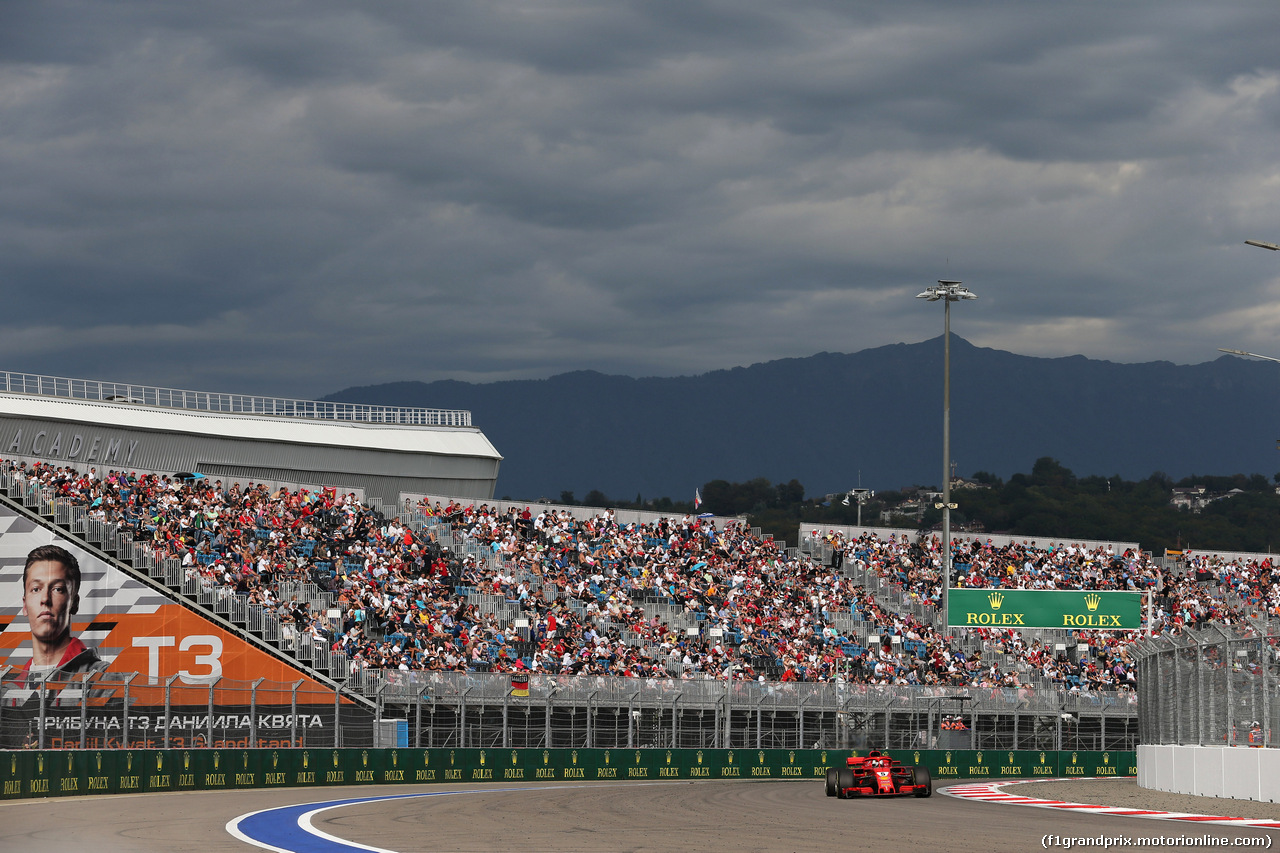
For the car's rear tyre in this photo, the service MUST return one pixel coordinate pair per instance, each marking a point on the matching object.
(844, 781)
(923, 782)
(832, 773)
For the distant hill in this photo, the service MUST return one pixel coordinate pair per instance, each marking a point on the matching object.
(823, 419)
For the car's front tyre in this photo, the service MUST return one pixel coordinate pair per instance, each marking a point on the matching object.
(923, 782)
(844, 781)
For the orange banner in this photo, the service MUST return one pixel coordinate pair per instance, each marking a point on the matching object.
(110, 622)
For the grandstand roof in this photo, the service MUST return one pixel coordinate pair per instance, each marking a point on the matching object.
(450, 440)
(61, 387)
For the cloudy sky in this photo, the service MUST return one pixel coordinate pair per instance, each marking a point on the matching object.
(292, 198)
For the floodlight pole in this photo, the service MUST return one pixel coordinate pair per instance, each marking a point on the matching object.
(946, 465)
(947, 292)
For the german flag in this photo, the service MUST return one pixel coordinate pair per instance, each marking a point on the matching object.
(519, 685)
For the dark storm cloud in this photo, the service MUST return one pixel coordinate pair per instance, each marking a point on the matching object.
(292, 199)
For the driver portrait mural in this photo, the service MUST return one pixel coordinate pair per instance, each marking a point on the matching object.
(50, 597)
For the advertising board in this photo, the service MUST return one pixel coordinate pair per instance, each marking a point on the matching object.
(1043, 608)
(47, 773)
(56, 632)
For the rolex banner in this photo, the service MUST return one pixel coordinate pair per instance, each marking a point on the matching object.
(1041, 608)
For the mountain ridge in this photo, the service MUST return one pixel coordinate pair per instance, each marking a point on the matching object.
(824, 418)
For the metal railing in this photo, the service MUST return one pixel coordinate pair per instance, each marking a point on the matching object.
(447, 709)
(482, 710)
(205, 401)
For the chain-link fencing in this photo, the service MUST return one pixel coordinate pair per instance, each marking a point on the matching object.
(129, 711)
(489, 710)
(1212, 686)
(463, 709)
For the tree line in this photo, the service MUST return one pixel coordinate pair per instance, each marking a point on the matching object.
(1050, 502)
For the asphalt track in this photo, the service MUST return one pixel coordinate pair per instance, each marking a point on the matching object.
(661, 816)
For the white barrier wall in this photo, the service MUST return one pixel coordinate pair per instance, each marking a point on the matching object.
(1236, 772)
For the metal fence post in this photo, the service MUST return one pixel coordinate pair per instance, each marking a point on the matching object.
(209, 720)
(418, 734)
(84, 708)
(726, 740)
(1230, 668)
(40, 716)
(3, 673)
(1017, 715)
(125, 731)
(1266, 656)
(379, 714)
(253, 713)
(337, 714)
(1201, 668)
(590, 715)
(293, 713)
(506, 704)
(168, 686)
(547, 718)
(631, 719)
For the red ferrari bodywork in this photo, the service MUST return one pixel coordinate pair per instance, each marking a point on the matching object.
(877, 775)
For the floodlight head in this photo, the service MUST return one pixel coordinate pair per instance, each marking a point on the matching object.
(951, 291)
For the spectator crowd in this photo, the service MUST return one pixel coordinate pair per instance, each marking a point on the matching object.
(539, 590)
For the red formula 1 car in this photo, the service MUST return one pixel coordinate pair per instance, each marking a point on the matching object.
(877, 775)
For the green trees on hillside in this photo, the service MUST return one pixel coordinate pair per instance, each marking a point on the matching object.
(1241, 513)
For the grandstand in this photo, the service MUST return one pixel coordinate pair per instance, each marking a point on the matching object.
(434, 641)
(341, 593)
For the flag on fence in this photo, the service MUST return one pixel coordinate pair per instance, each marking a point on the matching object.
(519, 685)
(697, 499)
